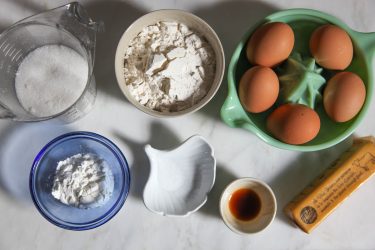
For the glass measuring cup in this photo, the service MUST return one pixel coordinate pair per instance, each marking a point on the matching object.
(68, 25)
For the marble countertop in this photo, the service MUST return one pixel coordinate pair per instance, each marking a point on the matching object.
(238, 152)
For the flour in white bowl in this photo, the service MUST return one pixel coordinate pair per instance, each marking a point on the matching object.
(83, 181)
(50, 79)
(169, 67)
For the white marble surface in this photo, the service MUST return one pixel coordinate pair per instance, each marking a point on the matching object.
(238, 152)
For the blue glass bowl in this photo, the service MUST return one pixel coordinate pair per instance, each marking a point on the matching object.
(43, 171)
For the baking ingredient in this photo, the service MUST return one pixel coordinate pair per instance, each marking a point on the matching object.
(169, 67)
(245, 204)
(83, 181)
(294, 123)
(331, 47)
(270, 44)
(258, 89)
(301, 81)
(330, 189)
(344, 96)
(50, 79)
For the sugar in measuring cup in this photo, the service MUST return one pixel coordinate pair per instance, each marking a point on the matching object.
(46, 66)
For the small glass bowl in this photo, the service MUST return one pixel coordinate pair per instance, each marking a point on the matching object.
(43, 171)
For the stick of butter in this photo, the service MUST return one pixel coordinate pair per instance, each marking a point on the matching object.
(345, 175)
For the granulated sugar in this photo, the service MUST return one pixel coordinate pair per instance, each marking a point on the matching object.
(50, 79)
(169, 67)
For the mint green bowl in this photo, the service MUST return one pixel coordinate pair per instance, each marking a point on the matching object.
(303, 23)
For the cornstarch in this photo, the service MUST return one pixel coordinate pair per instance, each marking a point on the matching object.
(50, 79)
(168, 67)
(83, 181)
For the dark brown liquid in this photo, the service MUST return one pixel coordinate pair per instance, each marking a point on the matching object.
(245, 204)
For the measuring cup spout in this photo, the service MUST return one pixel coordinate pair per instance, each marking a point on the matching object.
(81, 15)
(73, 18)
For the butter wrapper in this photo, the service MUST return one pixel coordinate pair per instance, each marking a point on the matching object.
(327, 192)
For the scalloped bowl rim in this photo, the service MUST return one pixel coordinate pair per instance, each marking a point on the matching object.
(188, 212)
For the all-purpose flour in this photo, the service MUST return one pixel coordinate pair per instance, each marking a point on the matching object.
(50, 79)
(83, 180)
(168, 67)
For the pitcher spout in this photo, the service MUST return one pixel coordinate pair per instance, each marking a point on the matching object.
(74, 19)
(79, 12)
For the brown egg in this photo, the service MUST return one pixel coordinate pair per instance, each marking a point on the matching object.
(270, 44)
(331, 47)
(344, 96)
(294, 123)
(258, 89)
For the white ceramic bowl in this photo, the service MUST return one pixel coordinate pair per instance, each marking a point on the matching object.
(181, 178)
(192, 22)
(267, 211)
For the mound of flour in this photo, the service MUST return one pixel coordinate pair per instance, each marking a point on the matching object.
(168, 67)
(83, 181)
